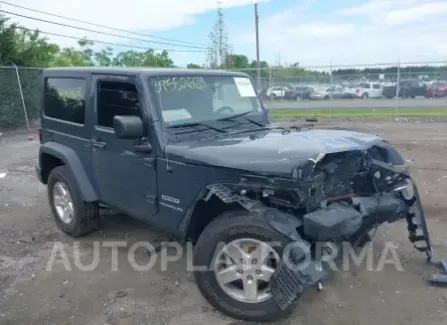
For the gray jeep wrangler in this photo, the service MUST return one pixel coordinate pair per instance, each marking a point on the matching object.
(193, 152)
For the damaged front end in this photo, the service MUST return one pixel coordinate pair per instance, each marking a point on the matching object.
(348, 194)
(333, 197)
(358, 191)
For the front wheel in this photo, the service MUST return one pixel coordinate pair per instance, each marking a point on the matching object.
(241, 252)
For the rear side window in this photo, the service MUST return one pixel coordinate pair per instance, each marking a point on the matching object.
(65, 99)
(376, 86)
(116, 98)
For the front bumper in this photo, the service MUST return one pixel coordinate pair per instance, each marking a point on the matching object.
(338, 222)
(343, 220)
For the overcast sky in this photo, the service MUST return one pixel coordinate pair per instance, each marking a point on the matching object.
(312, 32)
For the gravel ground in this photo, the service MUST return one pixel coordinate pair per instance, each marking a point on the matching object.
(30, 294)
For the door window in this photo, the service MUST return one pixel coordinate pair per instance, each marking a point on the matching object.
(116, 98)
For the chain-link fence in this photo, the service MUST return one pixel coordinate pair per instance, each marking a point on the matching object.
(391, 81)
(388, 89)
(19, 98)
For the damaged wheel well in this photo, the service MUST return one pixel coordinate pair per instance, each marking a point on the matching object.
(205, 212)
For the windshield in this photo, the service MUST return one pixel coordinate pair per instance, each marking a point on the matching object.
(195, 99)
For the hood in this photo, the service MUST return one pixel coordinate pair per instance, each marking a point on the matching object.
(270, 151)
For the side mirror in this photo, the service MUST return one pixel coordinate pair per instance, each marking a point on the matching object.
(128, 127)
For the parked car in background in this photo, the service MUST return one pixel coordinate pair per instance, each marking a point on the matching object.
(437, 90)
(366, 90)
(276, 92)
(319, 93)
(335, 92)
(298, 93)
(407, 89)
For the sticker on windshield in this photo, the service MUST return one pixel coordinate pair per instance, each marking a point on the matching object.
(172, 115)
(245, 87)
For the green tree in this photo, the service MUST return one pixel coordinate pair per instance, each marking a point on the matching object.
(143, 59)
(8, 49)
(73, 57)
(194, 66)
(23, 47)
(34, 50)
(104, 58)
(237, 61)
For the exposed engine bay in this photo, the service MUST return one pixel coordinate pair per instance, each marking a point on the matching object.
(332, 197)
(339, 194)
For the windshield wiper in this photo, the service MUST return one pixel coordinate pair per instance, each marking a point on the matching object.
(264, 127)
(177, 126)
(232, 117)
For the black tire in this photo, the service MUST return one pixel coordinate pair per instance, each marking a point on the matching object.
(365, 96)
(227, 227)
(86, 214)
(272, 96)
(326, 97)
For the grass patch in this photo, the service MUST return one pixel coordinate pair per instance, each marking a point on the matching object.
(360, 112)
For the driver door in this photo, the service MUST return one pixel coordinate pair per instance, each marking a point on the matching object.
(126, 179)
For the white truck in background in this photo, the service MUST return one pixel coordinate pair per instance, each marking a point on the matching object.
(366, 90)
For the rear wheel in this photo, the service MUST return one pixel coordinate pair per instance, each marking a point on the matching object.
(241, 251)
(72, 215)
(272, 96)
(365, 96)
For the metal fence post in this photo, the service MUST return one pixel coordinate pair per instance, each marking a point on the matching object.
(397, 88)
(270, 81)
(330, 108)
(332, 81)
(21, 95)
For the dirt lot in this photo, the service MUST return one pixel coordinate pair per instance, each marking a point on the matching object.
(29, 294)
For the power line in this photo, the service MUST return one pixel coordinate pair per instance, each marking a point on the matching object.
(102, 26)
(105, 43)
(99, 32)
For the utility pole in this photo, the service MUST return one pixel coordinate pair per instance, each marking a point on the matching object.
(220, 34)
(258, 64)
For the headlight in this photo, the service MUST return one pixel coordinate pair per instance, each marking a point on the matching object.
(406, 189)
